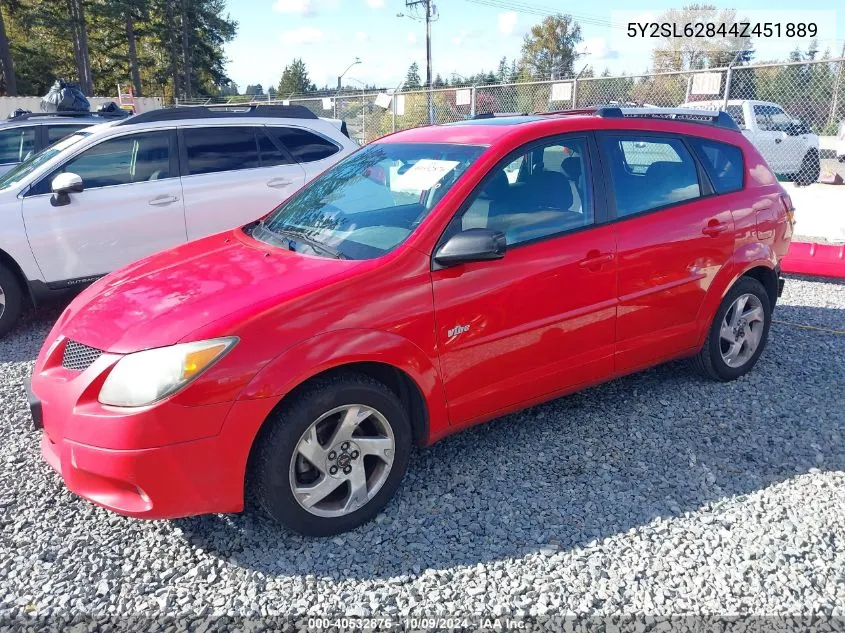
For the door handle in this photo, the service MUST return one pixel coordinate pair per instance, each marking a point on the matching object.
(278, 183)
(162, 201)
(714, 228)
(595, 258)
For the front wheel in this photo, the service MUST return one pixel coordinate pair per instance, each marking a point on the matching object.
(332, 457)
(738, 333)
(11, 300)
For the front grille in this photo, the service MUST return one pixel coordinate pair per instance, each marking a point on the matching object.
(79, 357)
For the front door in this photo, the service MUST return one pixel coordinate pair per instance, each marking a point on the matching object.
(541, 320)
(131, 207)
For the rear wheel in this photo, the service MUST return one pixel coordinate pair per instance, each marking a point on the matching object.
(332, 457)
(810, 169)
(738, 333)
(11, 299)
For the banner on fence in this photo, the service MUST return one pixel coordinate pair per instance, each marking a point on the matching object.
(562, 91)
(706, 84)
(463, 97)
(400, 105)
(383, 100)
(327, 103)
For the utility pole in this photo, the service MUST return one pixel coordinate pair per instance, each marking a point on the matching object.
(834, 106)
(430, 15)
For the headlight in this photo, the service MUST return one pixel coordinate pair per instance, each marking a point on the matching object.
(145, 377)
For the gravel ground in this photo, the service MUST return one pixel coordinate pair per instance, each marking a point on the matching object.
(656, 494)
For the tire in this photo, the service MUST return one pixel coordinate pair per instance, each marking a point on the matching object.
(11, 300)
(810, 169)
(711, 359)
(308, 424)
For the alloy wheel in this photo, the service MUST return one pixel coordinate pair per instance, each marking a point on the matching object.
(742, 330)
(342, 460)
(2, 301)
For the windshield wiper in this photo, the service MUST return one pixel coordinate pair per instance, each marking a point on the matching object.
(294, 236)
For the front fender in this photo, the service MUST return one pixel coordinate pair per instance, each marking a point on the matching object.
(342, 347)
(745, 258)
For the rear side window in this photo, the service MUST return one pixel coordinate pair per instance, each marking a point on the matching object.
(304, 146)
(16, 144)
(214, 149)
(723, 163)
(649, 172)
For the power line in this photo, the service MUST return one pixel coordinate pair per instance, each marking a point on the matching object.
(523, 7)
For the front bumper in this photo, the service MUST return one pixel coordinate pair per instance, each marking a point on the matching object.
(160, 462)
(158, 483)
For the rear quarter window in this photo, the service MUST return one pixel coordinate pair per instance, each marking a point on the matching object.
(723, 163)
(304, 146)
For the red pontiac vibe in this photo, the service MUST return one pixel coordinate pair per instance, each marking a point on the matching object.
(435, 279)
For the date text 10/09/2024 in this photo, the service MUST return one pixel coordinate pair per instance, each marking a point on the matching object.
(721, 29)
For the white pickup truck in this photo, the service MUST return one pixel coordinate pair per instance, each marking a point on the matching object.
(786, 143)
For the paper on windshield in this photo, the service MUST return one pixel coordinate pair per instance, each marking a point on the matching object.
(423, 174)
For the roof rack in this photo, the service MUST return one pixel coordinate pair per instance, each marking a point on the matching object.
(687, 115)
(222, 111)
(71, 114)
(495, 115)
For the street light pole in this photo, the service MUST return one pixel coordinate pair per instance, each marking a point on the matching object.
(339, 79)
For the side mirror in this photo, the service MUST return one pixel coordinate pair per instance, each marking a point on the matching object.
(63, 185)
(472, 245)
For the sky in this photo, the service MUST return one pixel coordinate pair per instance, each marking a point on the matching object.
(468, 36)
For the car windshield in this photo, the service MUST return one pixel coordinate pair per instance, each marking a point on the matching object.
(21, 171)
(370, 202)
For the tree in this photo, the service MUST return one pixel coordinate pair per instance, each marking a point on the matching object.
(691, 53)
(548, 50)
(9, 79)
(254, 89)
(412, 79)
(271, 92)
(502, 74)
(295, 80)
(438, 82)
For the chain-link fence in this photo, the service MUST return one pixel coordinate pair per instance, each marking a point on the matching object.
(796, 130)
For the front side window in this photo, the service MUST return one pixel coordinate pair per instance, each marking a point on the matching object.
(370, 202)
(304, 146)
(17, 174)
(16, 145)
(222, 148)
(542, 192)
(123, 160)
(649, 172)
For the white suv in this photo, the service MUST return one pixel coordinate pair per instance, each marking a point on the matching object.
(113, 193)
(788, 145)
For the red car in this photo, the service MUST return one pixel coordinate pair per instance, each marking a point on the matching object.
(435, 279)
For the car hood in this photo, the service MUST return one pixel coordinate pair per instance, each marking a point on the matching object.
(161, 299)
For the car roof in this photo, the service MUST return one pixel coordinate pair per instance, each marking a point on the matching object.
(51, 120)
(490, 130)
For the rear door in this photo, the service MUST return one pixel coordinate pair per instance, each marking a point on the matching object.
(131, 206)
(541, 320)
(672, 240)
(232, 175)
(313, 151)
